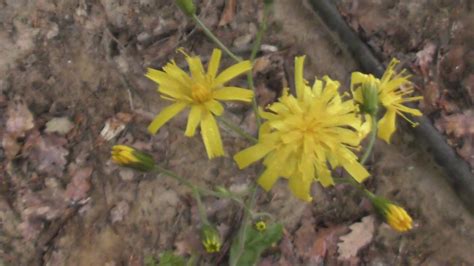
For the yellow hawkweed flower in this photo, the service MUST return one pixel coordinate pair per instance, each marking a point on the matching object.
(306, 136)
(130, 157)
(210, 239)
(392, 91)
(199, 91)
(260, 226)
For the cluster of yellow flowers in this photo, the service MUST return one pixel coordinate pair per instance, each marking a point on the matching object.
(304, 136)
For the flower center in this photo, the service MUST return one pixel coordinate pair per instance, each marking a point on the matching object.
(200, 93)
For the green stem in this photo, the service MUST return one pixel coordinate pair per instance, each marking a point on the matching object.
(255, 48)
(373, 137)
(214, 38)
(201, 209)
(237, 129)
(245, 223)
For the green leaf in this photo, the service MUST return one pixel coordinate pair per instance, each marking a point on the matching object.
(255, 243)
(170, 259)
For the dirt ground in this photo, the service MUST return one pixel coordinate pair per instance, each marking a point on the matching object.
(72, 85)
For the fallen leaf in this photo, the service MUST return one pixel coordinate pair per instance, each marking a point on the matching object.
(10, 146)
(459, 125)
(424, 58)
(261, 64)
(19, 120)
(228, 13)
(119, 211)
(115, 125)
(304, 239)
(46, 153)
(325, 243)
(60, 125)
(453, 64)
(431, 95)
(79, 186)
(360, 236)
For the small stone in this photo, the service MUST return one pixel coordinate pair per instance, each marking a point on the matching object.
(52, 32)
(127, 174)
(242, 41)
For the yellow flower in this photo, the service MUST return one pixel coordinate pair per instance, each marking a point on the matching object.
(260, 226)
(199, 91)
(130, 157)
(398, 218)
(392, 91)
(306, 136)
(211, 239)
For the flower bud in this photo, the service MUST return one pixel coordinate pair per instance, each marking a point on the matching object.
(394, 215)
(370, 95)
(187, 6)
(130, 157)
(260, 226)
(210, 238)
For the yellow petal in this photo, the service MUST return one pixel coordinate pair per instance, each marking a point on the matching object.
(211, 136)
(356, 170)
(299, 79)
(193, 120)
(233, 72)
(366, 127)
(213, 65)
(233, 94)
(300, 188)
(196, 68)
(324, 176)
(215, 107)
(387, 125)
(165, 115)
(268, 178)
(252, 154)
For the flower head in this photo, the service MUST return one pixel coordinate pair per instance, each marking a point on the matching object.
(394, 215)
(210, 238)
(306, 136)
(201, 92)
(130, 157)
(260, 226)
(393, 89)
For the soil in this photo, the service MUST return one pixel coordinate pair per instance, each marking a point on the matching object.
(72, 85)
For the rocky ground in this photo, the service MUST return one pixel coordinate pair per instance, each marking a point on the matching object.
(72, 85)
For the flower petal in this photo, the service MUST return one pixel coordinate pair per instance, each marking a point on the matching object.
(300, 188)
(233, 94)
(252, 154)
(387, 125)
(356, 170)
(215, 107)
(194, 119)
(211, 136)
(268, 178)
(233, 72)
(165, 115)
(214, 62)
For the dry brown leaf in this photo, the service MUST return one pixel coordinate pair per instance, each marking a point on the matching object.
(261, 64)
(79, 186)
(46, 153)
(19, 120)
(304, 239)
(424, 58)
(115, 125)
(360, 236)
(325, 243)
(228, 13)
(459, 125)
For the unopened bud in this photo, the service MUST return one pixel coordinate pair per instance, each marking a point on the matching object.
(130, 157)
(187, 6)
(370, 95)
(210, 238)
(395, 215)
(261, 226)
